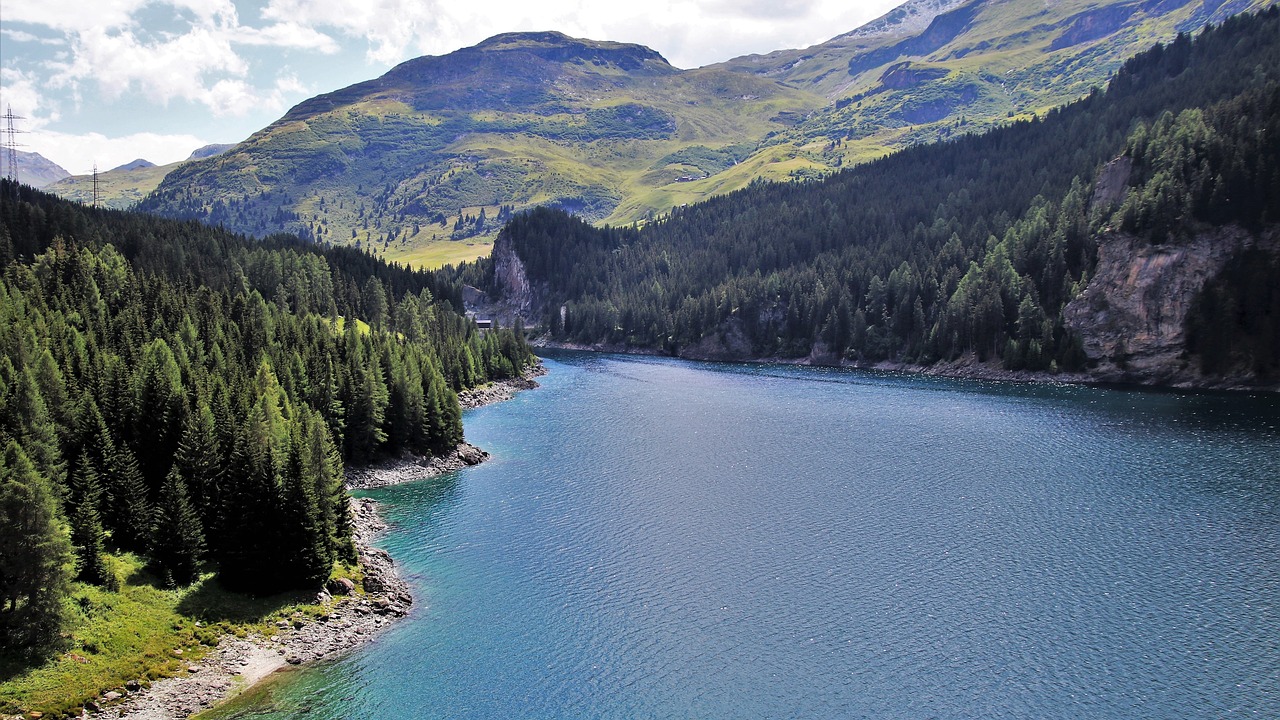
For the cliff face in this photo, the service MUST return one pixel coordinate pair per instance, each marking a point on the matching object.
(1132, 316)
(517, 296)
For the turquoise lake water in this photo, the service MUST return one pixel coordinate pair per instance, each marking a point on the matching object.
(663, 539)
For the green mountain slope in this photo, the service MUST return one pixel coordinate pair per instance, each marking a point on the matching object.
(123, 187)
(424, 163)
(1079, 242)
(975, 65)
(438, 146)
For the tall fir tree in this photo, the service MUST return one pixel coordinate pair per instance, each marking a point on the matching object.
(87, 534)
(126, 494)
(177, 538)
(35, 555)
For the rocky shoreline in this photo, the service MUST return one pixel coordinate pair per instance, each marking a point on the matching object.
(349, 619)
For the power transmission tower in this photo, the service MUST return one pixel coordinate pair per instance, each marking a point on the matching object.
(11, 143)
(95, 184)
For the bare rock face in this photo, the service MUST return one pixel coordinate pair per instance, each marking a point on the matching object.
(1113, 182)
(1132, 316)
(509, 272)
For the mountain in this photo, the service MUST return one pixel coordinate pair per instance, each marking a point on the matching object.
(209, 151)
(122, 187)
(33, 169)
(974, 65)
(138, 164)
(446, 148)
(442, 148)
(1131, 236)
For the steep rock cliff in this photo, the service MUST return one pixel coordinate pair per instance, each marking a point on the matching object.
(514, 295)
(1132, 316)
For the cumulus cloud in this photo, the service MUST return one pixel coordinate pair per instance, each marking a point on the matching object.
(179, 67)
(19, 91)
(72, 15)
(388, 26)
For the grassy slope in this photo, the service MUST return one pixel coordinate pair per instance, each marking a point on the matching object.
(384, 162)
(133, 634)
(1001, 59)
(118, 189)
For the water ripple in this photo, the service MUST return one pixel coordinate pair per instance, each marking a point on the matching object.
(656, 539)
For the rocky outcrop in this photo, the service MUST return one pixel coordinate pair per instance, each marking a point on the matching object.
(410, 468)
(500, 391)
(518, 296)
(1132, 316)
(1112, 183)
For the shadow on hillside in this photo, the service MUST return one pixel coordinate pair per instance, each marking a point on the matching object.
(211, 602)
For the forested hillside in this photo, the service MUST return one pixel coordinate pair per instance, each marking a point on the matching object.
(971, 246)
(191, 396)
(426, 162)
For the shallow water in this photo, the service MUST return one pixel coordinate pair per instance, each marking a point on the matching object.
(662, 539)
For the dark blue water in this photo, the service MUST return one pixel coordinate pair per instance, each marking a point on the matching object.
(660, 539)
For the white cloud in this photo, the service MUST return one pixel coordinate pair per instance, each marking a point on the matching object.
(26, 37)
(389, 26)
(19, 91)
(78, 153)
(73, 15)
(286, 35)
(118, 62)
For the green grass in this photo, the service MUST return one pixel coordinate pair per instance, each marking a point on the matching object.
(132, 634)
(118, 189)
(430, 256)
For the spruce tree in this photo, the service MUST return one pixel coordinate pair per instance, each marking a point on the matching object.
(129, 509)
(35, 555)
(199, 460)
(87, 534)
(306, 552)
(177, 538)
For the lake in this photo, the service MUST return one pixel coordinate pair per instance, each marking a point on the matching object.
(663, 539)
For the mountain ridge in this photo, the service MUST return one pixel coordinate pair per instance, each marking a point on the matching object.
(423, 163)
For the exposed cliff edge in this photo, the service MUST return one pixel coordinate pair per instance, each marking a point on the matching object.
(1132, 316)
(515, 296)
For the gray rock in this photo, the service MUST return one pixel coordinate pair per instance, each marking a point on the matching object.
(342, 586)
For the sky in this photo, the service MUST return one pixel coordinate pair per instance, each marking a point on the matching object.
(107, 81)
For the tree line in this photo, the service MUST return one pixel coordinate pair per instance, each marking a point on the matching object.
(192, 396)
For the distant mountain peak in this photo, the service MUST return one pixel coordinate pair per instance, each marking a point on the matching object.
(33, 169)
(558, 47)
(912, 16)
(135, 165)
(511, 70)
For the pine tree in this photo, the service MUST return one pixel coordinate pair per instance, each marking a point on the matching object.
(87, 534)
(246, 549)
(35, 555)
(129, 517)
(177, 538)
(306, 554)
(199, 460)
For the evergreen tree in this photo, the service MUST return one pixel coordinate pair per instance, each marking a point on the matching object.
(87, 534)
(199, 460)
(177, 538)
(35, 555)
(307, 553)
(130, 509)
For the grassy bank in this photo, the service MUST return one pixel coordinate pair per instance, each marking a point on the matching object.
(142, 632)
